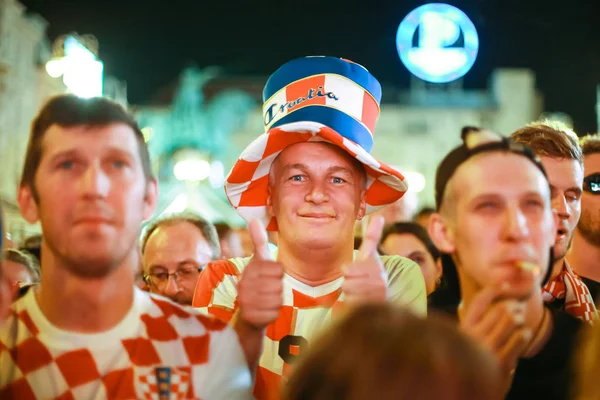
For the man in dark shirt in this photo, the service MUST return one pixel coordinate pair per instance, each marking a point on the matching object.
(585, 253)
(495, 224)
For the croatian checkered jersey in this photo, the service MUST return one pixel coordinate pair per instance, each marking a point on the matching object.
(306, 310)
(159, 350)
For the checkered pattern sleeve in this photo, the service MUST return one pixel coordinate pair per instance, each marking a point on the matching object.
(216, 290)
(406, 283)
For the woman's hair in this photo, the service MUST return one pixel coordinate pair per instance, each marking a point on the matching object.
(412, 228)
(384, 352)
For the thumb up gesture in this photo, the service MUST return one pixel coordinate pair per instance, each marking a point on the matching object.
(260, 290)
(365, 280)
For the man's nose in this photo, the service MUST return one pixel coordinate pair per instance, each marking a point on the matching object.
(317, 194)
(171, 287)
(94, 182)
(560, 205)
(515, 224)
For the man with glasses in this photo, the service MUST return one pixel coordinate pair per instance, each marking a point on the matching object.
(585, 253)
(174, 251)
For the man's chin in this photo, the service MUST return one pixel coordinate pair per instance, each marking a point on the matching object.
(92, 264)
(560, 251)
(92, 269)
(317, 241)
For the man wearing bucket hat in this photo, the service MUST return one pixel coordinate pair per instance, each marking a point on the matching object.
(310, 177)
(495, 225)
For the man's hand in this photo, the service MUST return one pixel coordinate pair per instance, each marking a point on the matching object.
(496, 316)
(260, 290)
(365, 280)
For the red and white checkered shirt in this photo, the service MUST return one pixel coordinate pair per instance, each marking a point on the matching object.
(306, 311)
(158, 347)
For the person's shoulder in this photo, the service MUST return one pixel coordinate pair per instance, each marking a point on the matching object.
(18, 323)
(231, 266)
(395, 263)
(186, 320)
(565, 324)
(563, 339)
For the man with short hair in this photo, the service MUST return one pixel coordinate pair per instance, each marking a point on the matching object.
(310, 177)
(495, 226)
(85, 331)
(584, 256)
(560, 153)
(174, 251)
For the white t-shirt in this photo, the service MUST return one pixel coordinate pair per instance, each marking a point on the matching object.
(306, 311)
(159, 345)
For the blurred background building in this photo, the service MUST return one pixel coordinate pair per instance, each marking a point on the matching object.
(32, 69)
(416, 128)
(197, 126)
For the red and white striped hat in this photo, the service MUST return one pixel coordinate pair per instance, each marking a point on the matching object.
(314, 99)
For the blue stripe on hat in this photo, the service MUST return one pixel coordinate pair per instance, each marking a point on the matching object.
(300, 68)
(340, 122)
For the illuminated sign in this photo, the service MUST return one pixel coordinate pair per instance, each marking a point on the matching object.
(82, 72)
(437, 42)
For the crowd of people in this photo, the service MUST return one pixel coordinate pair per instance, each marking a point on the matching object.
(325, 294)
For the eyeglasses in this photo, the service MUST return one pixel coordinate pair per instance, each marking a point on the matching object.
(591, 183)
(160, 279)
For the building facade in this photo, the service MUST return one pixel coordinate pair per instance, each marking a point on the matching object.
(416, 127)
(24, 87)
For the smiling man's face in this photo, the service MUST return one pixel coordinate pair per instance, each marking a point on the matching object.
(316, 193)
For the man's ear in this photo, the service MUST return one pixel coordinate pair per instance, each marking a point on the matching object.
(362, 206)
(150, 199)
(441, 233)
(27, 204)
(270, 201)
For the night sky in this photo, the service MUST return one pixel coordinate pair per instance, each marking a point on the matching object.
(147, 44)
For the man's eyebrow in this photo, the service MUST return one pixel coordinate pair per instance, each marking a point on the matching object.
(63, 154)
(337, 168)
(154, 267)
(188, 261)
(575, 189)
(295, 166)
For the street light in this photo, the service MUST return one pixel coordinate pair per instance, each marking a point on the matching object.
(416, 181)
(75, 59)
(191, 170)
(191, 165)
